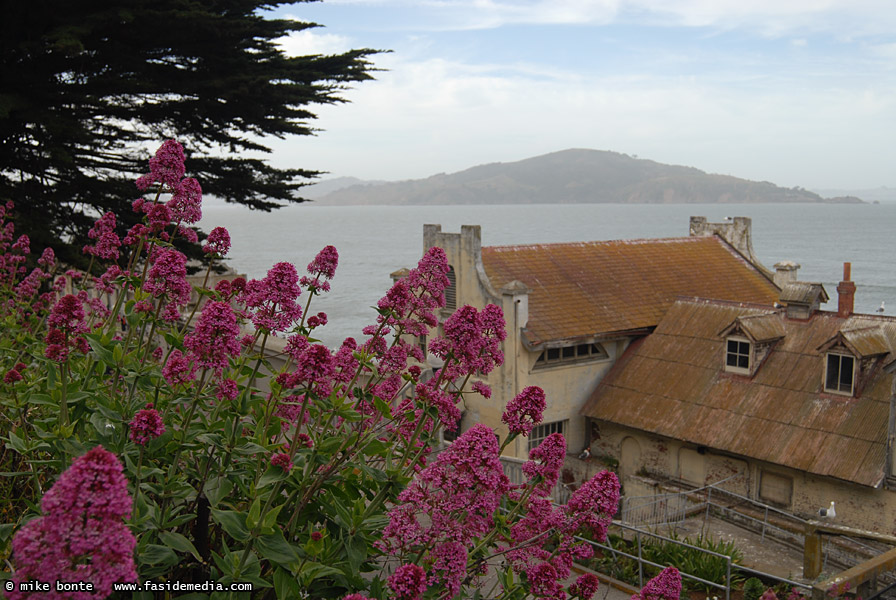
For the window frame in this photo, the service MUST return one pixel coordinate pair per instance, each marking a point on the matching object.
(837, 388)
(542, 431)
(568, 355)
(738, 354)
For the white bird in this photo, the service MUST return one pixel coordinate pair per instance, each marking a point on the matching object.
(827, 513)
(881, 309)
(586, 453)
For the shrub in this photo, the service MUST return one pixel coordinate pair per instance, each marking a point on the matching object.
(753, 589)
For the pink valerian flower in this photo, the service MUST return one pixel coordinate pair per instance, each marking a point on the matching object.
(186, 203)
(482, 389)
(217, 242)
(179, 369)
(227, 390)
(408, 582)
(322, 267)
(472, 341)
(158, 216)
(12, 376)
(272, 302)
(545, 461)
(66, 322)
(290, 410)
(585, 586)
(542, 579)
(47, 259)
(167, 279)
(104, 282)
(30, 285)
(318, 320)
(107, 241)
(136, 233)
(665, 586)
(187, 233)
(158, 353)
(214, 339)
(409, 306)
(449, 567)
(594, 504)
(166, 167)
(315, 371)
(146, 425)
(466, 479)
(281, 460)
(355, 596)
(525, 411)
(81, 536)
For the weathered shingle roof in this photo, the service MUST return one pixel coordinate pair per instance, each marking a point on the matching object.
(591, 289)
(673, 383)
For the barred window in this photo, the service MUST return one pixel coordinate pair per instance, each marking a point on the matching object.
(451, 290)
(539, 432)
(567, 354)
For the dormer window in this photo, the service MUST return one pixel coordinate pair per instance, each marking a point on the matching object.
(749, 340)
(738, 355)
(839, 375)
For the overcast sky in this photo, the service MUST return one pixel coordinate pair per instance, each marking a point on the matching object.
(796, 92)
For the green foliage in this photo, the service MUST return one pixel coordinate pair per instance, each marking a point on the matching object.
(86, 86)
(753, 589)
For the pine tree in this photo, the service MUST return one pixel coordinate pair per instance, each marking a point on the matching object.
(89, 88)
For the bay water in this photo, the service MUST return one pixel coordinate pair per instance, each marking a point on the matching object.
(374, 241)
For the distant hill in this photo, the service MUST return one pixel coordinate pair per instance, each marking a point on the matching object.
(328, 186)
(572, 177)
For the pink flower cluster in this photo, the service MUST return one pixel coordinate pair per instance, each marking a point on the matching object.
(408, 582)
(525, 411)
(165, 167)
(322, 267)
(665, 586)
(146, 425)
(472, 342)
(272, 303)
(81, 536)
(107, 241)
(584, 587)
(217, 242)
(281, 460)
(456, 497)
(66, 323)
(167, 281)
(186, 203)
(214, 339)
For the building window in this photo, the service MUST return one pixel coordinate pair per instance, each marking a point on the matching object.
(839, 374)
(776, 489)
(568, 354)
(539, 432)
(451, 290)
(737, 355)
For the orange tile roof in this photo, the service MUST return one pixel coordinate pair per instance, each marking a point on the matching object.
(592, 289)
(673, 383)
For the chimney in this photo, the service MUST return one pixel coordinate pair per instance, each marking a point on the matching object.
(785, 272)
(846, 292)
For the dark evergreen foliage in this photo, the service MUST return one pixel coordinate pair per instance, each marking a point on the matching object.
(88, 89)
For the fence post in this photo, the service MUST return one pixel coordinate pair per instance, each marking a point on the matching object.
(764, 522)
(728, 579)
(640, 563)
(812, 553)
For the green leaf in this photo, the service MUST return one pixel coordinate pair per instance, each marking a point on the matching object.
(233, 522)
(154, 554)
(272, 475)
(285, 585)
(329, 445)
(179, 542)
(275, 548)
(254, 513)
(216, 489)
(311, 571)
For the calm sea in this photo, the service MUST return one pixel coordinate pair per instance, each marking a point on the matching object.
(374, 241)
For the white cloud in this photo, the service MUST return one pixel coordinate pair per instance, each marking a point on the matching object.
(308, 41)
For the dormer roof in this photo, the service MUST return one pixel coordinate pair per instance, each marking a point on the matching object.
(760, 329)
(865, 342)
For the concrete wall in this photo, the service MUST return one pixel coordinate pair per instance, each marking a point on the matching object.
(857, 506)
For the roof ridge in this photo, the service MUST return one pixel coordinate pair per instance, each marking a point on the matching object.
(690, 239)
